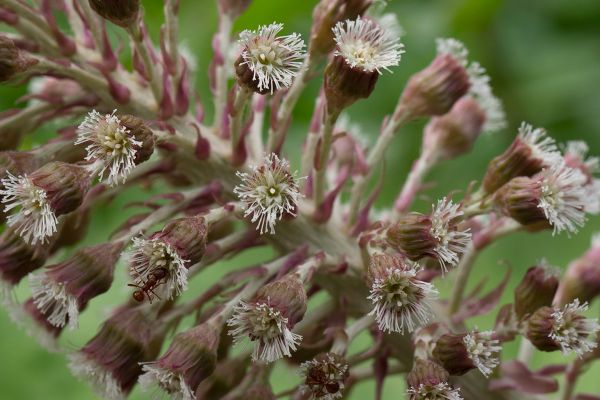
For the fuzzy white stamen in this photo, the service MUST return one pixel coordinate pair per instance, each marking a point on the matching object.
(481, 89)
(102, 380)
(364, 44)
(34, 219)
(401, 302)
(274, 60)
(267, 327)
(483, 350)
(441, 391)
(146, 256)
(269, 192)
(109, 145)
(172, 383)
(542, 146)
(451, 241)
(572, 331)
(52, 299)
(563, 198)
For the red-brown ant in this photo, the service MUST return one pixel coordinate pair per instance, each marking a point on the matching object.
(147, 289)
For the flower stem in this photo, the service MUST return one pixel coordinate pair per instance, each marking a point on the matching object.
(321, 167)
(375, 158)
(224, 37)
(138, 42)
(413, 183)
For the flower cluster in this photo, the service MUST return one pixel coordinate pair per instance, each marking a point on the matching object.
(234, 262)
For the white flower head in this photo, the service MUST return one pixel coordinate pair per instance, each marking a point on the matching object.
(483, 350)
(109, 146)
(34, 219)
(269, 191)
(451, 240)
(149, 255)
(324, 376)
(274, 60)
(572, 331)
(53, 300)
(481, 89)
(440, 391)
(172, 382)
(542, 146)
(364, 44)
(401, 302)
(267, 327)
(562, 197)
(101, 379)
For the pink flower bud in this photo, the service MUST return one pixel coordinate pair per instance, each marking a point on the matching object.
(582, 279)
(63, 290)
(536, 290)
(438, 235)
(55, 189)
(460, 353)
(12, 61)
(566, 329)
(268, 319)
(120, 12)
(429, 380)
(191, 358)
(363, 50)
(326, 14)
(234, 8)
(18, 258)
(166, 257)
(110, 361)
(453, 134)
(434, 90)
(531, 151)
(553, 198)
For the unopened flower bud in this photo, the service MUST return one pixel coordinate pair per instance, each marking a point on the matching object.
(167, 255)
(268, 62)
(363, 50)
(438, 235)
(115, 146)
(12, 61)
(234, 8)
(268, 319)
(401, 302)
(111, 360)
(536, 290)
(63, 290)
(326, 14)
(142, 133)
(18, 258)
(553, 198)
(582, 279)
(566, 329)
(460, 353)
(325, 376)
(55, 189)
(428, 380)
(453, 134)
(531, 151)
(120, 12)
(191, 358)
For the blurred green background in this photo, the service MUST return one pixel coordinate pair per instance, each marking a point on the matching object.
(543, 57)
